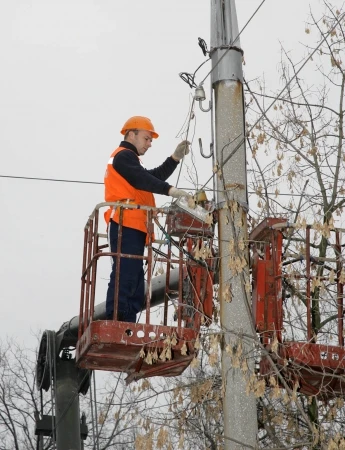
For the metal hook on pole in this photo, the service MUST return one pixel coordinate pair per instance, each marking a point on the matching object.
(202, 151)
(205, 110)
(200, 97)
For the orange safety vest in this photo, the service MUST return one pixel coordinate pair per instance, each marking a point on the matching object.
(118, 189)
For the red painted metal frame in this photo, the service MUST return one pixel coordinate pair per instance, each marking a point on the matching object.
(183, 224)
(202, 280)
(135, 348)
(317, 368)
(267, 302)
(117, 346)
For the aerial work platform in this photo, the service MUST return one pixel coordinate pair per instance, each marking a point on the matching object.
(140, 350)
(149, 349)
(298, 305)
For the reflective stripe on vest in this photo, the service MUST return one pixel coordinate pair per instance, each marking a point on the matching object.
(118, 189)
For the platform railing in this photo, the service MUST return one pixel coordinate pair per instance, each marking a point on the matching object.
(94, 250)
(291, 266)
(312, 354)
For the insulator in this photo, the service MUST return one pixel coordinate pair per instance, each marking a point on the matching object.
(200, 94)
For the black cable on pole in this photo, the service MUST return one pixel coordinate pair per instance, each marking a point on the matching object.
(203, 46)
(190, 78)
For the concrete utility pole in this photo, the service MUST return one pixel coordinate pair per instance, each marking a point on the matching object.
(240, 415)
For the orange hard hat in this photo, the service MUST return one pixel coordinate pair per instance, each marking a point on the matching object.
(139, 123)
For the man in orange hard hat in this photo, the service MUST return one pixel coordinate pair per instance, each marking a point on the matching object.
(127, 181)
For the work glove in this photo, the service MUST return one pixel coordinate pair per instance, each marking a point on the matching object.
(181, 150)
(177, 193)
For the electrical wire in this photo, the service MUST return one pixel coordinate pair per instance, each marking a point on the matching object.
(52, 375)
(190, 78)
(184, 251)
(50, 179)
(190, 118)
(92, 416)
(191, 110)
(231, 44)
(93, 375)
(70, 403)
(285, 87)
(203, 187)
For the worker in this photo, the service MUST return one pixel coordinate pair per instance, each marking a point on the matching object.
(126, 180)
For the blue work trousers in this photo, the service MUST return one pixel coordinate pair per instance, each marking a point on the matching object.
(131, 284)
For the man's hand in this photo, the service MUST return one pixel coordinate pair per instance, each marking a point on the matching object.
(177, 193)
(181, 150)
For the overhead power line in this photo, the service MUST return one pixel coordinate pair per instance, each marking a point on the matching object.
(101, 183)
(231, 44)
(51, 179)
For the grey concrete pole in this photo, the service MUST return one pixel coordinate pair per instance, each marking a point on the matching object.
(240, 414)
(67, 416)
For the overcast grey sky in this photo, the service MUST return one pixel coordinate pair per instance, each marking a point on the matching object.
(71, 73)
